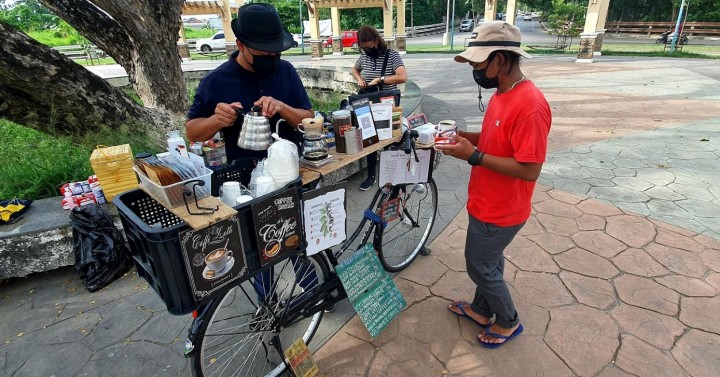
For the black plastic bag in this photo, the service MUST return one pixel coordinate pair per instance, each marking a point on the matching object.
(101, 255)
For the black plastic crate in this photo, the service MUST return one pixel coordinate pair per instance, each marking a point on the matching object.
(153, 234)
(239, 170)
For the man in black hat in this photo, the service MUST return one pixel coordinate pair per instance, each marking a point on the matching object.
(254, 75)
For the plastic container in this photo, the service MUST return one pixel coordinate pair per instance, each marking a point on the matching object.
(176, 144)
(240, 171)
(172, 195)
(153, 234)
(341, 122)
(113, 168)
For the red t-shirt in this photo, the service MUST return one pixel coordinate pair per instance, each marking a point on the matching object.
(516, 124)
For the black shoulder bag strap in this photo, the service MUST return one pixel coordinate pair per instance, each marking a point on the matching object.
(382, 73)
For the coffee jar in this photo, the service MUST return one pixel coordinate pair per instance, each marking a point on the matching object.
(341, 122)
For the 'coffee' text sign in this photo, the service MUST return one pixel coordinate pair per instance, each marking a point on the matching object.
(278, 225)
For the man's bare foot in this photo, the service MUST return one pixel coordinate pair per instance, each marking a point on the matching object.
(488, 337)
(463, 309)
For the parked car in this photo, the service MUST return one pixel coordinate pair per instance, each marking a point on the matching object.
(527, 17)
(297, 40)
(467, 25)
(500, 16)
(216, 42)
(349, 39)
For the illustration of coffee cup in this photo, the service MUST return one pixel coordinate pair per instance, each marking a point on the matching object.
(272, 248)
(217, 259)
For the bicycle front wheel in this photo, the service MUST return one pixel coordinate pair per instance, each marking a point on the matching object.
(245, 332)
(403, 238)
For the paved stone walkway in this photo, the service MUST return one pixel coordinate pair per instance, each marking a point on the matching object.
(610, 275)
(605, 286)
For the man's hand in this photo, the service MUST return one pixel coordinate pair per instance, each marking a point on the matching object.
(374, 82)
(270, 106)
(462, 149)
(362, 83)
(225, 113)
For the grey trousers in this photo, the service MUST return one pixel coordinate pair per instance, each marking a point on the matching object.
(484, 248)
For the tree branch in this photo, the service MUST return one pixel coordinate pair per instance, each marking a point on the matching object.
(84, 15)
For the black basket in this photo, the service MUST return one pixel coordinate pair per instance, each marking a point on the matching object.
(239, 170)
(153, 234)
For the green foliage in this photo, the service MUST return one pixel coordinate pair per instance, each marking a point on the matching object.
(28, 15)
(191, 33)
(657, 11)
(567, 18)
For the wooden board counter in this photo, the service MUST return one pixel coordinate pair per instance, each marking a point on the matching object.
(340, 160)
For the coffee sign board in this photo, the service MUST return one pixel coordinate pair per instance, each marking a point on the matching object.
(370, 289)
(214, 256)
(278, 225)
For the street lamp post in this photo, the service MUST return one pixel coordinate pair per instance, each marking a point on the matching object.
(452, 26)
(302, 32)
(677, 27)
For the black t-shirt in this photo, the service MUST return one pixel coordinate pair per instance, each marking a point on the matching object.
(230, 82)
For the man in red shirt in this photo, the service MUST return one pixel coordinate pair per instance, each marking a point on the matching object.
(506, 158)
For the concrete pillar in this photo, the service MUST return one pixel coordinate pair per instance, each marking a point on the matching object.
(315, 42)
(183, 50)
(401, 44)
(388, 20)
(589, 34)
(587, 48)
(511, 12)
(226, 17)
(490, 10)
(337, 48)
(600, 28)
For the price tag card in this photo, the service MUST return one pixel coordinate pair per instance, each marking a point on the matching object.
(301, 360)
(390, 210)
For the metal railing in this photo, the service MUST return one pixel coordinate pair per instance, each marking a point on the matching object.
(690, 28)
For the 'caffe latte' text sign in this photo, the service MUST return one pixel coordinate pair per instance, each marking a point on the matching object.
(214, 256)
(278, 225)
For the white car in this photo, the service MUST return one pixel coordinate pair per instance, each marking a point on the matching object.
(527, 17)
(298, 40)
(214, 43)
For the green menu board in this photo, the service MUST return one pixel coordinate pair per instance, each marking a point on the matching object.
(370, 289)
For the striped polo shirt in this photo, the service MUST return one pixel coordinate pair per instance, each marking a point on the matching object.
(370, 68)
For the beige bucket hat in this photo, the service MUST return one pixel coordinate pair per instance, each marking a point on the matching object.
(489, 37)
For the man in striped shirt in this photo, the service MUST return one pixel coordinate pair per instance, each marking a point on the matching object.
(368, 71)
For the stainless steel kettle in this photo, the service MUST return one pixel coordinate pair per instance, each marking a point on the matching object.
(255, 133)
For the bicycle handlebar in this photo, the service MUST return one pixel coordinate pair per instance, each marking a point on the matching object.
(409, 137)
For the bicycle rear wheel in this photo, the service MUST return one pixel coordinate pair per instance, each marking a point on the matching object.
(403, 238)
(244, 335)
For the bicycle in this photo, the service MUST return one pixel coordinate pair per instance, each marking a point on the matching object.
(237, 334)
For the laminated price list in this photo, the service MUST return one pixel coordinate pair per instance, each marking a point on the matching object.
(371, 291)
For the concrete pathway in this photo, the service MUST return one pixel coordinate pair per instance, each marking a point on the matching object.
(617, 272)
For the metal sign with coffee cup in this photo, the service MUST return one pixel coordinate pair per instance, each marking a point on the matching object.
(214, 256)
(278, 225)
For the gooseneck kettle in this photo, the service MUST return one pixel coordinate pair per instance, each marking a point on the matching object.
(255, 133)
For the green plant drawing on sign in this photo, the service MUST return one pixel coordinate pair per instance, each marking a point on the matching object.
(326, 219)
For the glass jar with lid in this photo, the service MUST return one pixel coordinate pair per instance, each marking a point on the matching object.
(341, 122)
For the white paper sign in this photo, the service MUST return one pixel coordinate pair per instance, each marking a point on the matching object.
(382, 115)
(365, 119)
(324, 216)
(396, 167)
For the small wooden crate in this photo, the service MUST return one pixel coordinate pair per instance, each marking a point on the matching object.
(113, 167)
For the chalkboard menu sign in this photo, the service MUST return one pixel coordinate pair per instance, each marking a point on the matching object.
(278, 224)
(214, 256)
(370, 289)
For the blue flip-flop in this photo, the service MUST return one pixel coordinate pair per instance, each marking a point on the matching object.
(515, 333)
(464, 314)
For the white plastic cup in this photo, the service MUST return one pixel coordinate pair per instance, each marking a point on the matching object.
(446, 125)
(243, 199)
(264, 185)
(229, 191)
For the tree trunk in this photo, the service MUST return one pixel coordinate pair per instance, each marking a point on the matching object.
(44, 90)
(141, 35)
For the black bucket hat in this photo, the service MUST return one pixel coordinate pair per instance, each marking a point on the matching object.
(258, 26)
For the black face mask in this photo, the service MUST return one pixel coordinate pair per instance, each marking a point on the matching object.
(484, 81)
(265, 65)
(372, 52)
